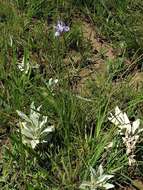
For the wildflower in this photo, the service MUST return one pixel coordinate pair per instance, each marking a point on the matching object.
(34, 127)
(61, 28)
(129, 131)
(98, 180)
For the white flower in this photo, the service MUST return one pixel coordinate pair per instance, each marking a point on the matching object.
(129, 131)
(34, 128)
(97, 180)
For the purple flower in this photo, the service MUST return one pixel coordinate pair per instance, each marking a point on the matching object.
(61, 28)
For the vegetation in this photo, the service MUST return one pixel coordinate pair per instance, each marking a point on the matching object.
(71, 94)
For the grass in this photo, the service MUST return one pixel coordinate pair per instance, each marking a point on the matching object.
(98, 64)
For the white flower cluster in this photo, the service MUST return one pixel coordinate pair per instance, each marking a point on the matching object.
(129, 132)
(33, 128)
(97, 180)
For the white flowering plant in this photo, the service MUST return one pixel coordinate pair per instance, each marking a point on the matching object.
(130, 132)
(34, 128)
(97, 180)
